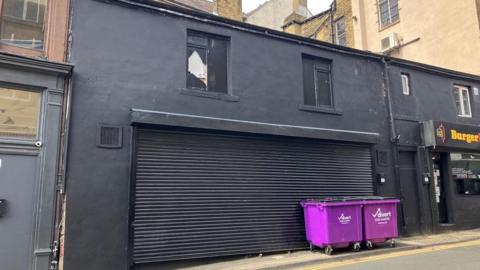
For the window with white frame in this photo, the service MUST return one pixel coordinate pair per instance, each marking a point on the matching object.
(340, 34)
(388, 12)
(405, 84)
(462, 101)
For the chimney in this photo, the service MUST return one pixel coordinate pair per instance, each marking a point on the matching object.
(231, 9)
(299, 4)
(293, 22)
(300, 7)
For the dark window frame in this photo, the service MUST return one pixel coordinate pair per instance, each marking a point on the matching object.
(206, 92)
(322, 65)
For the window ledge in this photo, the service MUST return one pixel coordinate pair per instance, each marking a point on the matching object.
(206, 94)
(326, 110)
(385, 27)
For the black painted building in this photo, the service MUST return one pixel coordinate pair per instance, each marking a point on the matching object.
(436, 121)
(193, 136)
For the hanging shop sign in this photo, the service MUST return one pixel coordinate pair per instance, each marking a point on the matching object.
(438, 133)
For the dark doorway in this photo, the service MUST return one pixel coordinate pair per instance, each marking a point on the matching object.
(439, 173)
(410, 200)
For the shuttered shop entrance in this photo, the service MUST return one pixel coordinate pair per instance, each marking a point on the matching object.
(204, 194)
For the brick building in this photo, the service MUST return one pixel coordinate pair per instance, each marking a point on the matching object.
(401, 29)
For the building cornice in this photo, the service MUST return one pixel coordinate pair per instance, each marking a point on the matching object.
(35, 64)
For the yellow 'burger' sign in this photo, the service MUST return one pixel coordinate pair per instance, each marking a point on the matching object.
(466, 137)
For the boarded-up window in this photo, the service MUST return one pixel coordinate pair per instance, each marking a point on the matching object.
(19, 113)
(207, 62)
(317, 82)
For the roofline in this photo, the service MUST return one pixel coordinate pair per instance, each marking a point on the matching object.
(257, 8)
(176, 3)
(306, 20)
(317, 15)
(254, 29)
(266, 3)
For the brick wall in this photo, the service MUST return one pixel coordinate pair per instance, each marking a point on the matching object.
(231, 9)
(344, 9)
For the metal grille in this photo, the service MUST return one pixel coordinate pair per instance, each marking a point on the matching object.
(204, 195)
(109, 136)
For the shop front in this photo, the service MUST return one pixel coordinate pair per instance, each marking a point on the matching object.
(454, 150)
(32, 105)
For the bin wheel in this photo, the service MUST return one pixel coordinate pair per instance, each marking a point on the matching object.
(392, 243)
(369, 245)
(329, 250)
(356, 247)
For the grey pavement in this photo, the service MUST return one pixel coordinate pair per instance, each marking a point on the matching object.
(306, 259)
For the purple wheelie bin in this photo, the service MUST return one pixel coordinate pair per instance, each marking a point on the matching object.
(379, 221)
(332, 224)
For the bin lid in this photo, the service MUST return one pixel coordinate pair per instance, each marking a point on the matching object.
(349, 199)
(331, 201)
(328, 199)
(373, 198)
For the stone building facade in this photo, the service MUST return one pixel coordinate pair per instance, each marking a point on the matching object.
(403, 29)
(274, 13)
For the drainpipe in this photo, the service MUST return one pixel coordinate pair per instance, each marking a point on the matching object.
(57, 245)
(332, 11)
(394, 138)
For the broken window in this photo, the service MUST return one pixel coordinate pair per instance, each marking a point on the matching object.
(22, 23)
(207, 62)
(317, 82)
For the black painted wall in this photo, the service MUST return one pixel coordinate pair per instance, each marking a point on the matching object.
(432, 98)
(128, 58)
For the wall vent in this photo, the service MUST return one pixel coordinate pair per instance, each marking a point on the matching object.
(109, 136)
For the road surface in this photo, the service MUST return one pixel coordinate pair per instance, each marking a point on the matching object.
(460, 256)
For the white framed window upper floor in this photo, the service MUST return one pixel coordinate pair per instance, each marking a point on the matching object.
(405, 83)
(340, 33)
(462, 100)
(388, 13)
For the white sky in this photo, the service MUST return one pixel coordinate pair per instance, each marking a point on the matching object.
(315, 6)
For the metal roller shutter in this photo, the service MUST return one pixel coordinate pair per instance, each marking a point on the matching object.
(203, 195)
